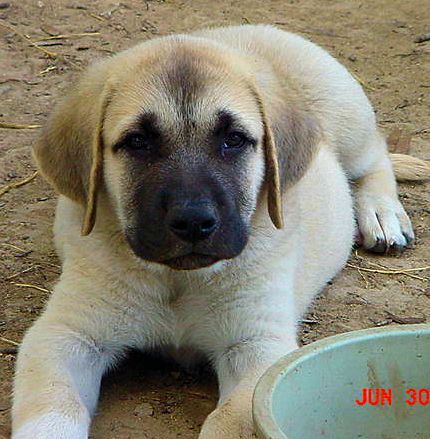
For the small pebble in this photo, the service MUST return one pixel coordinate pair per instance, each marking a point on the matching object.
(422, 38)
(144, 409)
(408, 320)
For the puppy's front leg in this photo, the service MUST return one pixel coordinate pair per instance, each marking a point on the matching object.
(57, 381)
(63, 356)
(238, 370)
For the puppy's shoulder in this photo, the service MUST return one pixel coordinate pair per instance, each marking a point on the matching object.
(68, 240)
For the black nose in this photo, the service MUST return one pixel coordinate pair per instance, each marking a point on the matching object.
(193, 222)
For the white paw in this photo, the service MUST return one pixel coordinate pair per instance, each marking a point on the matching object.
(52, 425)
(232, 420)
(383, 223)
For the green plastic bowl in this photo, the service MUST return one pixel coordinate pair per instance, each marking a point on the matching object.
(312, 392)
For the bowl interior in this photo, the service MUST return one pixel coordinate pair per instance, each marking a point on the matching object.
(312, 394)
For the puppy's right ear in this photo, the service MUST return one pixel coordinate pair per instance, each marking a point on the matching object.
(290, 141)
(69, 152)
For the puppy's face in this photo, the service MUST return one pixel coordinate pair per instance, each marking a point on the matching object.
(183, 159)
(179, 131)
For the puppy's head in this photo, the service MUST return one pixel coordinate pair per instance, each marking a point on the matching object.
(177, 134)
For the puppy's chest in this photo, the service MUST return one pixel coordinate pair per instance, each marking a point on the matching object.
(187, 314)
(190, 310)
(187, 310)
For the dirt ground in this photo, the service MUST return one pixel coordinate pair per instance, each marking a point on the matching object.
(148, 398)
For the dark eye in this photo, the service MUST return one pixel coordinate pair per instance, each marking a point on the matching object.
(136, 142)
(235, 140)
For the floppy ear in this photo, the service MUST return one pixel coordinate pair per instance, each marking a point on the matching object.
(290, 141)
(272, 177)
(69, 152)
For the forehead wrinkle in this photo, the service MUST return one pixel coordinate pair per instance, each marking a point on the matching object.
(185, 89)
(202, 109)
(194, 79)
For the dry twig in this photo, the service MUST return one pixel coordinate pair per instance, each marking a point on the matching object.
(97, 17)
(404, 271)
(361, 82)
(7, 340)
(17, 184)
(15, 247)
(13, 276)
(391, 271)
(18, 126)
(27, 38)
(48, 69)
(35, 287)
(383, 267)
(67, 36)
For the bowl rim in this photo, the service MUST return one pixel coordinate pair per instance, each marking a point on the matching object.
(264, 422)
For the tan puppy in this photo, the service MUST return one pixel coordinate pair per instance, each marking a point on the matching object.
(218, 165)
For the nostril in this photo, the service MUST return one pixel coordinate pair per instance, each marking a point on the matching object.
(192, 223)
(208, 225)
(179, 225)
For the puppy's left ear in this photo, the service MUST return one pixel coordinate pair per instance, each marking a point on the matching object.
(290, 141)
(69, 153)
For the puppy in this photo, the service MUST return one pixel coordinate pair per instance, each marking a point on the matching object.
(218, 164)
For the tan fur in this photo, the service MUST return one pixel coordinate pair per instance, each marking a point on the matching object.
(408, 168)
(69, 152)
(315, 132)
(67, 160)
(96, 172)
(273, 181)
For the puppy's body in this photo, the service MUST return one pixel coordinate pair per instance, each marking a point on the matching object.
(184, 304)
(240, 313)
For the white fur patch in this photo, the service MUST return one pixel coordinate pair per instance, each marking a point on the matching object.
(53, 425)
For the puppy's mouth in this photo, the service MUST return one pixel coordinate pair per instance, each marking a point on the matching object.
(191, 261)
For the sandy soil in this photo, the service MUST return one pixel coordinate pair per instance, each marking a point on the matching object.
(148, 398)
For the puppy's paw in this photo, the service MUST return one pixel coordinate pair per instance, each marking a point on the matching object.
(229, 422)
(383, 224)
(52, 425)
